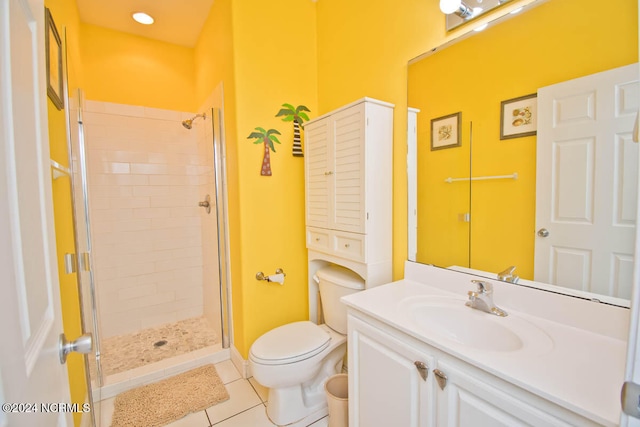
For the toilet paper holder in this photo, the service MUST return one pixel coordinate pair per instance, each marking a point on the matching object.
(260, 275)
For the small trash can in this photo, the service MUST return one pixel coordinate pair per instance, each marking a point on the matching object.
(337, 390)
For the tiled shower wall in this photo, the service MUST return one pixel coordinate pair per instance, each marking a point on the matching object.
(147, 174)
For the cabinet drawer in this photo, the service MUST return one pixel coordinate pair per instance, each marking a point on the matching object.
(349, 245)
(318, 239)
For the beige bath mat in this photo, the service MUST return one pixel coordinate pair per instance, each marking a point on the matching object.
(169, 400)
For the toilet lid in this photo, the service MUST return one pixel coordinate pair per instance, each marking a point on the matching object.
(290, 343)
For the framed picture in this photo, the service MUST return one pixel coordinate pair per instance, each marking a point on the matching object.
(53, 48)
(519, 116)
(445, 131)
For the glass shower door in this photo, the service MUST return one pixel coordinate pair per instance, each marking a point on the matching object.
(86, 283)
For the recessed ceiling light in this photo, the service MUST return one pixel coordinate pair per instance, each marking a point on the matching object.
(143, 18)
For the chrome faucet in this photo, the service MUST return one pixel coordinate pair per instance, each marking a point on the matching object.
(508, 276)
(482, 299)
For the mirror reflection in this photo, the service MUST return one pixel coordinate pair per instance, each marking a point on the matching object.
(490, 224)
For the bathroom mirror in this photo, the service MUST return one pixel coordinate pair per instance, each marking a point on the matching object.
(489, 225)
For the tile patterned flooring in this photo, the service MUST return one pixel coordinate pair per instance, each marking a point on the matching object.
(126, 352)
(246, 406)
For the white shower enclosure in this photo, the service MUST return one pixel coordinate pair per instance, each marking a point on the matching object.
(150, 255)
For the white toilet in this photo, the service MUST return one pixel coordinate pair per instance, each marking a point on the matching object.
(295, 360)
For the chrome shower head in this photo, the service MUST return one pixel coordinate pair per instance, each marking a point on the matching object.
(189, 122)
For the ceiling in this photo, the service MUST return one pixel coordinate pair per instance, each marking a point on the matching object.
(176, 21)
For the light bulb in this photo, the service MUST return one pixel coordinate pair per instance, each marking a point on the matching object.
(449, 6)
(142, 18)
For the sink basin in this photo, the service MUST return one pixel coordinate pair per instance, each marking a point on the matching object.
(448, 318)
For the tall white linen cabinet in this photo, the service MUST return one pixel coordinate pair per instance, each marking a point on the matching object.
(348, 192)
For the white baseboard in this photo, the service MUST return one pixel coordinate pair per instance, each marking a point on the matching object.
(241, 365)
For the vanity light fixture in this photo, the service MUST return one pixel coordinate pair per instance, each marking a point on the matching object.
(518, 10)
(142, 18)
(456, 6)
(481, 27)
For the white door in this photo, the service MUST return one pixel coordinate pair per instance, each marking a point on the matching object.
(586, 202)
(392, 381)
(31, 376)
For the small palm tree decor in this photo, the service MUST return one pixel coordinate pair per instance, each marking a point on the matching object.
(296, 115)
(267, 137)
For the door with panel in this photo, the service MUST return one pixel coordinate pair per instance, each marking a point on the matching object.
(390, 381)
(32, 379)
(470, 398)
(586, 199)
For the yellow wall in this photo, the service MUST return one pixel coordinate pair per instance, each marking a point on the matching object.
(274, 63)
(550, 49)
(363, 50)
(65, 16)
(214, 66)
(322, 55)
(128, 69)
(264, 55)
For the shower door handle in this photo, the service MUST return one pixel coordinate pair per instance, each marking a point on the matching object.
(206, 203)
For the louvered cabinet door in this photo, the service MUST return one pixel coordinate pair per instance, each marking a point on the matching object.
(349, 170)
(318, 173)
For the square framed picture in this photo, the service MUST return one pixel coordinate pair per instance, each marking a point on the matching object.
(519, 117)
(446, 131)
(53, 48)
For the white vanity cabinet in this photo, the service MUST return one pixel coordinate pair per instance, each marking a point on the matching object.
(390, 381)
(348, 182)
(386, 387)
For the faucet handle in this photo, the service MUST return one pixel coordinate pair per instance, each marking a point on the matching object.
(483, 287)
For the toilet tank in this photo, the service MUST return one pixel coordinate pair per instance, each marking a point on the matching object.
(334, 283)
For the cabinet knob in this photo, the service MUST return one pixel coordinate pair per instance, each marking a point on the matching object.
(441, 378)
(328, 173)
(317, 239)
(347, 245)
(423, 369)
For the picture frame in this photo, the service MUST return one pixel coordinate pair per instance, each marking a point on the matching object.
(53, 49)
(519, 117)
(446, 131)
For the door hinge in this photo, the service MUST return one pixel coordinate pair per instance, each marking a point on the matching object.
(85, 261)
(69, 263)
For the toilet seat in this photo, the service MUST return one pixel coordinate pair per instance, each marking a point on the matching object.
(290, 343)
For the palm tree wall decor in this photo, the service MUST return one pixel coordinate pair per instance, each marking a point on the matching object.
(296, 115)
(267, 137)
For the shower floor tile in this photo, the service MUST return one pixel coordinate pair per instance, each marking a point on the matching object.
(124, 352)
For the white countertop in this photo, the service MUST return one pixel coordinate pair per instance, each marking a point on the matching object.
(583, 368)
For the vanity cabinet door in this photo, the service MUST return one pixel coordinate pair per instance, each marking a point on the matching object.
(386, 384)
(470, 400)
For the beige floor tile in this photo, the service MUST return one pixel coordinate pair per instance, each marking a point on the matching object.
(227, 371)
(322, 422)
(241, 397)
(262, 391)
(199, 419)
(254, 417)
